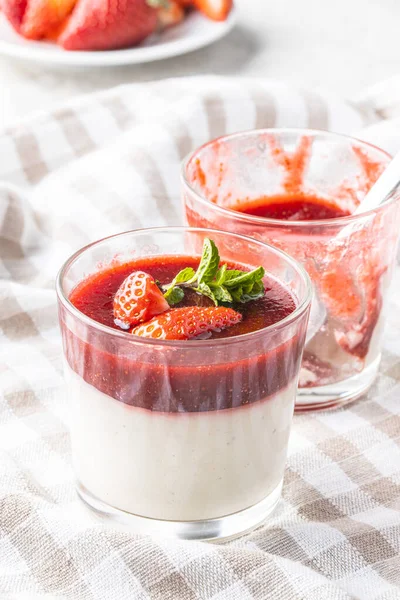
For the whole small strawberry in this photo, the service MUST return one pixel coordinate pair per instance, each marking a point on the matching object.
(169, 14)
(14, 11)
(188, 322)
(108, 24)
(217, 10)
(43, 18)
(138, 299)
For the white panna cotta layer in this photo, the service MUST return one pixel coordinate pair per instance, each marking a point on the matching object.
(178, 466)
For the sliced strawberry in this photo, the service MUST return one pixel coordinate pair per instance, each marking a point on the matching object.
(14, 11)
(170, 14)
(188, 322)
(138, 299)
(42, 17)
(217, 10)
(108, 24)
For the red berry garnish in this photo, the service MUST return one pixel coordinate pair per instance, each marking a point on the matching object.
(188, 322)
(138, 299)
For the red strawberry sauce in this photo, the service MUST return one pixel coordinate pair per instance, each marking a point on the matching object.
(171, 380)
(292, 208)
(94, 296)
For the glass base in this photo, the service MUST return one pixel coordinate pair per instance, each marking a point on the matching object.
(337, 394)
(223, 528)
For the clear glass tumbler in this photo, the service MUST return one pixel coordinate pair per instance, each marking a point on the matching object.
(349, 259)
(181, 438)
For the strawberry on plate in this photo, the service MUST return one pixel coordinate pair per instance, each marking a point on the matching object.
(108, 24)
(188, 322)
(14, 11)
(169, 14)
(138, 299)
(43, 17)
(217, 10)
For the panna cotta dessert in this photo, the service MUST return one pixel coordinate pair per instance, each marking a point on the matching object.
(182, 361)
(298, 190)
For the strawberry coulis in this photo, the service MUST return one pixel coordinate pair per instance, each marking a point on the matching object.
(175, 386)
(94, 296)
(292, 208)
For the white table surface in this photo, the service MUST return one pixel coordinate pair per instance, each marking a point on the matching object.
(342, 46)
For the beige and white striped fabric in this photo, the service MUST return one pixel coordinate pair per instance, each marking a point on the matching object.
(108, 163)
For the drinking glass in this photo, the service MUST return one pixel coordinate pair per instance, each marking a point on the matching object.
(349, 259)
(181, 438)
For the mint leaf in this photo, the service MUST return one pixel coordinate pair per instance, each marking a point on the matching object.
(220, 276)
(174, 295)
(205, 290)
(245, 278)
(184, 275)
(257, 291)
(232, 274)
(245, 285)
(209, 263)
(222, 294)
(237, 294)
(220, 284)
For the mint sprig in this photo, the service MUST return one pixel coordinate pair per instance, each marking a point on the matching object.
(209, 262)
(174, 295)
(220, 284)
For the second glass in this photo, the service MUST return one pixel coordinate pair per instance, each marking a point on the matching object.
(349, 258)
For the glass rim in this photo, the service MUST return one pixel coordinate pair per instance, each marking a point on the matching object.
(279, 222)
(303, 305)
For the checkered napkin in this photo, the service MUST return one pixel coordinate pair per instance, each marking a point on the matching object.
(107, 163)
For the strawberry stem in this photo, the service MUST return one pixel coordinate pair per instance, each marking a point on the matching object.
(158, 3)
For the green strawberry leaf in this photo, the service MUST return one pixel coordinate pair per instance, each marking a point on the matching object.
(158, 3)
(174, 295)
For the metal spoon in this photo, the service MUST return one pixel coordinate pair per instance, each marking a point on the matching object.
(383, 186)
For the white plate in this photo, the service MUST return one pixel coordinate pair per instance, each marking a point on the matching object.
(194, 32)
